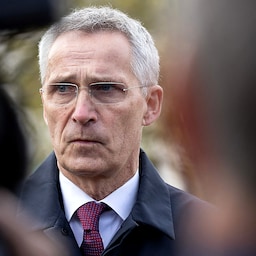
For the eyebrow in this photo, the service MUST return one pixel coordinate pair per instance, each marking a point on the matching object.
(73, 78)
(62, 78)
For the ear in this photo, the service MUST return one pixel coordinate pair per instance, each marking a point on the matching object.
(154, 104)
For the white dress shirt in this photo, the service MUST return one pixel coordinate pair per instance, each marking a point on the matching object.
(121, 201)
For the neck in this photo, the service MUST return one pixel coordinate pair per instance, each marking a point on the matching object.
(99, 187)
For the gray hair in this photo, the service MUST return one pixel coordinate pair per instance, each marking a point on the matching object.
(145, 58)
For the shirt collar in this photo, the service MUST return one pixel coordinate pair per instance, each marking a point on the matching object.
(121, 200)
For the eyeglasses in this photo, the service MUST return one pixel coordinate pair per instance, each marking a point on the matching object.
(100, 92)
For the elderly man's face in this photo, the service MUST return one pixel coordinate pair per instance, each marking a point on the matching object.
(90, 139)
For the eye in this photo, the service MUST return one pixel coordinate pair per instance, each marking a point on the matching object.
(106, 87)
(62, 88)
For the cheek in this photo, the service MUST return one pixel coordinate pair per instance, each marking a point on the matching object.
(55, 119)
(131, 122)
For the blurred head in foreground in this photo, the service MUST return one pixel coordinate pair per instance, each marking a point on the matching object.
(212, 88)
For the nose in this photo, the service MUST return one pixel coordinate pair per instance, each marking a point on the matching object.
(84, 110)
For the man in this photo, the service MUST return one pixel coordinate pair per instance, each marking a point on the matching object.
(99, 71)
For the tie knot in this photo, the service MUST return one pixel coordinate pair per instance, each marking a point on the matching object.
(89, 214)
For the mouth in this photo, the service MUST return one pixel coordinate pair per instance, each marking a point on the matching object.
(84, 141)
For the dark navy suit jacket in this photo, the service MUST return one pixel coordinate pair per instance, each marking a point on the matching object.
(163, 221)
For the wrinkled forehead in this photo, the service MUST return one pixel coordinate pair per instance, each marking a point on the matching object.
(82, 39)
(102, 54)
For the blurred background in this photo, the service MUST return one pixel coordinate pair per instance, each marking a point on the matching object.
(20, 76)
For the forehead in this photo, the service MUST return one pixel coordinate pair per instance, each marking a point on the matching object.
(101, 51)
(88, 44)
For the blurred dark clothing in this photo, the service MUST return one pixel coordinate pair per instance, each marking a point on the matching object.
(13, 150)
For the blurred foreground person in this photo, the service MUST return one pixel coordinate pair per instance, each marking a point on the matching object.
(15, 237)
(99, 72)
(213, 97)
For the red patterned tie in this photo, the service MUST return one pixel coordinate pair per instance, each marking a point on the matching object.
(88, 215)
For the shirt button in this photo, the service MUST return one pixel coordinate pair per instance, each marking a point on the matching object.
(64, 231)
